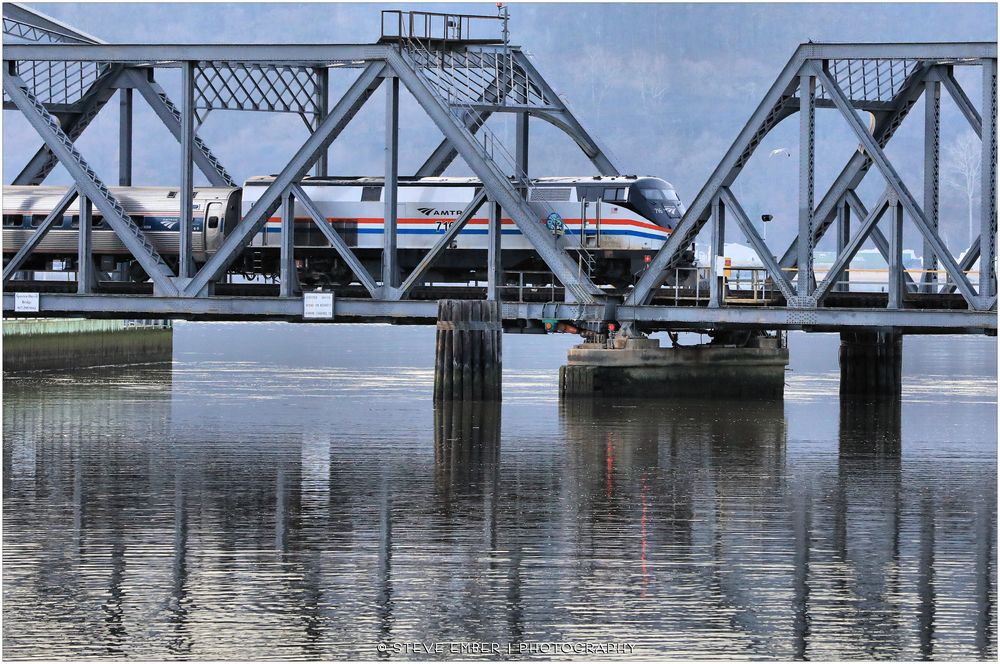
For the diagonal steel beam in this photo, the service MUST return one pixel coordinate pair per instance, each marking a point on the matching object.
(55, 215)
(850, 251)
(763, 251)
(496, 183)
(329, 129)
(892, 177)
(969, 259)
(96, 97)
(89, 185)
(443, 242)
(878, 238)
(170, 116)
(857, 166)
(337, 242)
(771, 110)
(55, 30)
(962, 101)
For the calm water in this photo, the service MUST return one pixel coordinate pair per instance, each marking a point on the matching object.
(288, 491)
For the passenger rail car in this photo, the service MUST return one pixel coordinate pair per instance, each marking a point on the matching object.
(619, 221)
(154, 209)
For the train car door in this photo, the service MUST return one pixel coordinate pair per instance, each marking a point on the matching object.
(590, 223)
(213, 226)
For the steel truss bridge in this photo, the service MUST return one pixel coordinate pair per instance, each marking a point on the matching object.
(461, 72)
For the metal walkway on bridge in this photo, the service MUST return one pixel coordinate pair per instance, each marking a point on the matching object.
(462, 69)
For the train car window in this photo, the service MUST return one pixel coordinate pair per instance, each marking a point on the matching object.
(213, 221)
(137, 219)
(610, 195)
(371, 194)
(13, 219)
(652, 194)
(97, 222)
(171, 194)
(37, 219)
(74, 221)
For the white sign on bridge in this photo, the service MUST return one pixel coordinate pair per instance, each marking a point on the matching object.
(317, 305)
(25, 302)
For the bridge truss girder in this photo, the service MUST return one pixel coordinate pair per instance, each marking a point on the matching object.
(813, 78)
(460, 85)
(293, 79)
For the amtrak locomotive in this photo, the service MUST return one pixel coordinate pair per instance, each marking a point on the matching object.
(617, 222)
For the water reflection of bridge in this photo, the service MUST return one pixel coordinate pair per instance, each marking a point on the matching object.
(656, 520)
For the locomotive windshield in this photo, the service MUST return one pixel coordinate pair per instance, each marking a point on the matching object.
(657, 201)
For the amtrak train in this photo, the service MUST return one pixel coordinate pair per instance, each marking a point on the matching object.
(617, 222)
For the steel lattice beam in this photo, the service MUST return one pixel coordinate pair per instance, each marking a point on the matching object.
(348, 310)
(43, 161)
(42, 26)
(170, 116)
(89, 185)
(906, 198)
(348, 106)
(496, 183)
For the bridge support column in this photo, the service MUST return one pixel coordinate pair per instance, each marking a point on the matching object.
(871, 363)
(468, 362)
(638, 367)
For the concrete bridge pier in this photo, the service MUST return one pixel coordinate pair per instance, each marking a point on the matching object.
(736, 366)
(468, 356)
(871, 363)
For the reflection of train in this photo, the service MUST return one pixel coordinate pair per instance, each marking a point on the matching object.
(618, 220)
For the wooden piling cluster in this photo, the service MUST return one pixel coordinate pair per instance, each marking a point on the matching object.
(871, 363)
(468, 355)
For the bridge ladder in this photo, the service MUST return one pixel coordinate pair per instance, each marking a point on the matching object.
(445, 86)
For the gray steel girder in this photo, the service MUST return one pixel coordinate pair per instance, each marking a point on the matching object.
(337, 242)
(496, 183)
(859, 163)
(890, 174)
(771, 110)
(43, 161)
(296, 168)
(877, 237)
(171, 55)
(171, 118)
(854, 244)
(89, 185)
(763, 251)
(454, 228)
(349, 310)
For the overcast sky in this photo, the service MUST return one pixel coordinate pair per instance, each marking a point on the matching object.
(666, 87)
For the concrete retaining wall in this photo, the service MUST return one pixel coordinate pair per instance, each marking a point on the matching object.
(65, 343)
